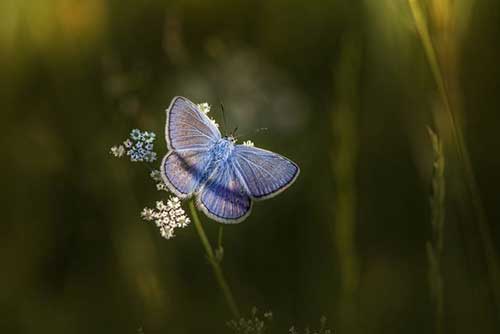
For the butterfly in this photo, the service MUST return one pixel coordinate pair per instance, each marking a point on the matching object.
(224, 177)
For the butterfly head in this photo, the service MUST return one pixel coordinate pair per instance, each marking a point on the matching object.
(232, 139)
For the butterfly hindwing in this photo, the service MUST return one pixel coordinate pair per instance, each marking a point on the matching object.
(189, 128)
(182, 171)
(224, 197)
(265, 173)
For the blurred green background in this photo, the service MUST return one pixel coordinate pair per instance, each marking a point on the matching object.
(346, 91)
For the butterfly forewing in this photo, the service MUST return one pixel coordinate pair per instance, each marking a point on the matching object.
(264, 173)
(224, 197)
(188, 128)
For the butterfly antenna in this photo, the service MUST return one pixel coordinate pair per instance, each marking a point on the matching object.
(254, 131)
(224, 123)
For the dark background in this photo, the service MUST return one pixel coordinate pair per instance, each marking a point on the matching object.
(346, 92)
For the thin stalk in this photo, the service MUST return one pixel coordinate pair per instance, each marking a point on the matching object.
(344, 163)
(219, 251)
(435, 246)
(219, 239)
(437, 288)
(219, 275)
(462, 152)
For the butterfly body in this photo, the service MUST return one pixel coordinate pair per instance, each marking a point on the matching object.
(223, 149)
(218, 154)
(224, 177)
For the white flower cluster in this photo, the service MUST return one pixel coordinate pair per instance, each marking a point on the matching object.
(205, 108)
(248, 143)
(156, 176)
(117, 151)
(139, 147)
(167, 217)
(255, 323)
(214, 122)
(322, 329)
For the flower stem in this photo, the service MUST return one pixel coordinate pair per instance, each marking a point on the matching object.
(219, 275)
(462, 152)
(434, 247)
(219, 239)
(344, 166)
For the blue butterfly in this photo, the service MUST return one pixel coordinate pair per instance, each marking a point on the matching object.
(224, 177)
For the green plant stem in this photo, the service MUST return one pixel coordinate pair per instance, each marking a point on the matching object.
(344, 165)
(219, 238)
(436, 283)
(219, 275)
(435, 246)
(462, 152)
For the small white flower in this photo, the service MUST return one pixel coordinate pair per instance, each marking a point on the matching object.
(204, 107)
(160, 186)
(148, 214)
(214, 122)
(248, 143)
(184, 221)
(167, 232)
(160, 206)
(167, 217)
(155, 175)
(118, 151)
(127, 143)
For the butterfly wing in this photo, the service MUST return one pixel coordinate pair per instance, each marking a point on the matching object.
(182, 171)
(188, 128)
(190, 137)
(264, 173)
(224, 197)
